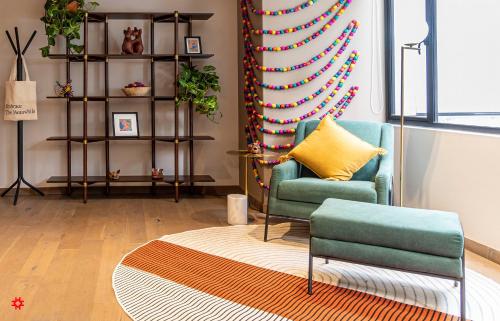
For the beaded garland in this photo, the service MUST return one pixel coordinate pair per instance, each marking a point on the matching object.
(251, 93)
(248, 23)
(353, 59)
(300, 83)
(251, 82)
(336, 111)
(351, 29)
(280, 12)
(298, 44)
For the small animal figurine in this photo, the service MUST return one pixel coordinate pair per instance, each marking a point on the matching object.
(65, 90)
(114, 175)
(73, 6)
(254, 148)
(157, 173)
(138, 46)
(128, 43)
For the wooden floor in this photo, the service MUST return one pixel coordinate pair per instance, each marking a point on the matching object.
(59, 254)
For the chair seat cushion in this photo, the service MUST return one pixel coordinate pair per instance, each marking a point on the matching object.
(416, 230)
(315, 190)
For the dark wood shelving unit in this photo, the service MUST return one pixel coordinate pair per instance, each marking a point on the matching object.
(176, 57)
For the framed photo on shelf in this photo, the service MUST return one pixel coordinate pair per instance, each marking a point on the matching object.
(193, 45)
(125, 124)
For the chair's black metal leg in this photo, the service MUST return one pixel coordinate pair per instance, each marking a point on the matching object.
(10, 187)
(310, 272)
(32, 187)
(463, 301)
(266, 227)
(17, 191)
(327, 261)
(455, 284)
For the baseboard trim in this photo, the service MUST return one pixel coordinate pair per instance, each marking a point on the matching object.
(483, 250)
(134, 191)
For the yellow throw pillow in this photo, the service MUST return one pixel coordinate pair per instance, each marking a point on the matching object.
(333, 153)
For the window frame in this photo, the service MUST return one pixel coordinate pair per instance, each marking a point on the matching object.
(431, 120)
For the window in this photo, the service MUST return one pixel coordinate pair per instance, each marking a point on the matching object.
(453, 80)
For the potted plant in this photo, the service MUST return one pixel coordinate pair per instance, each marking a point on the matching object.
(194, 85)
(64, 17)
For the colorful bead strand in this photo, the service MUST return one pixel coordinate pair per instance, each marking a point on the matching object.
(348, 32)
(280, 12)
(343, 104)
(301, 43)
(346, 75)
(248, 22)
(251, 93)
(299, 83)
(257, 176)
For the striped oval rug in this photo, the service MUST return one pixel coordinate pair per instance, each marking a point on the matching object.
(228, 273)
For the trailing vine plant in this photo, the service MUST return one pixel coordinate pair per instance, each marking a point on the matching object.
(194, 85)
(64, 17)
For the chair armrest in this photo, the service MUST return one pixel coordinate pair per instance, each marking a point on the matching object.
(383, 178)
(282, 172)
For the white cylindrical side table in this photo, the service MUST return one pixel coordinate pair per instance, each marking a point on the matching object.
(237, 209)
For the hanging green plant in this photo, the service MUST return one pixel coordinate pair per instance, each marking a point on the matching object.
(64, 17)
(194, 85)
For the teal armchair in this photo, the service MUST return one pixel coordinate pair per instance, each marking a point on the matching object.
(296, 191)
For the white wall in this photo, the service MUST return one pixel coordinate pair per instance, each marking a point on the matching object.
(45, 159)
(455, 171)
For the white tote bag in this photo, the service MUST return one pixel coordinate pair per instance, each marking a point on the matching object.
(20, 97)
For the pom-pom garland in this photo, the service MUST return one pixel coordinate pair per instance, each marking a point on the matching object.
(248, 22)
(257, 176)
(251, 82)
(336, 112)
(251, 93)
(301, 43)
(296, 84)
(280, 12)
(349, 31)
(323, 104)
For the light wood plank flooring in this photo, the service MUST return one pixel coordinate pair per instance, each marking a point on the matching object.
(59, 254)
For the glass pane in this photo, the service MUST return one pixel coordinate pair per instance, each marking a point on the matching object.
(410, 26)
(468, 68)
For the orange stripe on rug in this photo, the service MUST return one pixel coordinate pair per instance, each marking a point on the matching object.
(271, 291)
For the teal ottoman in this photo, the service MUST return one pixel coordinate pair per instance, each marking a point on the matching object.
(412, 240)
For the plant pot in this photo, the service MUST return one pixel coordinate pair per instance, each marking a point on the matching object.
(137, 91)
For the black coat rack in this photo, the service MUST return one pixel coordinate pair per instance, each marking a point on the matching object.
(20, 141)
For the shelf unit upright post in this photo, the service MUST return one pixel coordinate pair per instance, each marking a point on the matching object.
(68, 121)
(85, 104)
(176, 57)
(106, 102)
(176, 113)
(153, 101)
(191, 121)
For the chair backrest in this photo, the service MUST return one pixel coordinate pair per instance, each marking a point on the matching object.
(370, 132)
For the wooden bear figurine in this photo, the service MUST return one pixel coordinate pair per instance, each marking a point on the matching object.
(138, 46)
(128, 43)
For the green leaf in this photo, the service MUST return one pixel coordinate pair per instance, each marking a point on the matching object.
(45, 51)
